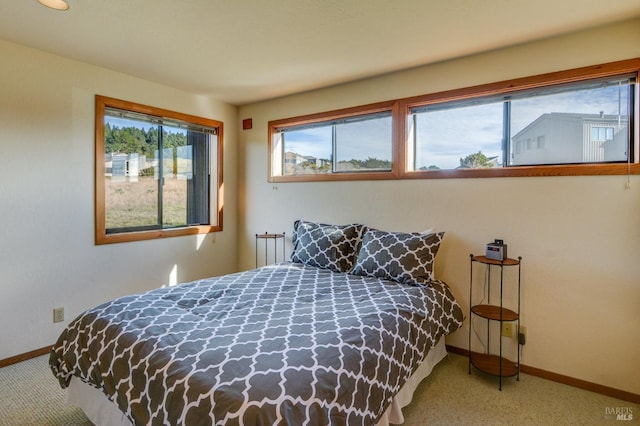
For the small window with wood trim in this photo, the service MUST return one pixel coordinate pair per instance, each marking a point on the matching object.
(339, 145)
(158, 172)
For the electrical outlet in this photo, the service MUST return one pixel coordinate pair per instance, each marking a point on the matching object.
(507, 329)
(58, 314)
(522, 335)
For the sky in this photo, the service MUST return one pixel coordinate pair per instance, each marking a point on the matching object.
(358, 140)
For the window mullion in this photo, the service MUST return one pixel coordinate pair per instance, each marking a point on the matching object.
(334, 146)
(414, 118)
(506, 135)
(160, 174)
(283, 163)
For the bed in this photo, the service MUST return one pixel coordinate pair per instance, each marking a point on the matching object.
(338, 335)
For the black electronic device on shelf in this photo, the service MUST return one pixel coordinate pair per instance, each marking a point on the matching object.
(497, 250)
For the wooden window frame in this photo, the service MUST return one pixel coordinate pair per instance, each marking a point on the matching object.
(400, 112)
(389, 106)
(101, 236)
(612, 69)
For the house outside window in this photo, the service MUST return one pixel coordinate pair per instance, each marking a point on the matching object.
(576, 138)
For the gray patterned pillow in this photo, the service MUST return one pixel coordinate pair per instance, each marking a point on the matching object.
(324, 246)
(403, 257)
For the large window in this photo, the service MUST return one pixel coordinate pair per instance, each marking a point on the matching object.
(355, 144)
(158, 172)
(576, 122)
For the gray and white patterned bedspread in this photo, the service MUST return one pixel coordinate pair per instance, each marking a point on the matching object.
(282, 344)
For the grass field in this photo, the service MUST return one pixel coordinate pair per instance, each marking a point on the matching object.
(131, 204)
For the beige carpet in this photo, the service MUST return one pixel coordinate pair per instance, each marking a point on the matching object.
(30, 395)
(450, 396)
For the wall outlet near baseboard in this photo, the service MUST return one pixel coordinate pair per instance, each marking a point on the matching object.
(507, 329)
(58, 314)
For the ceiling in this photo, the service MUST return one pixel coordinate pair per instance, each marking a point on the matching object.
(243, 51)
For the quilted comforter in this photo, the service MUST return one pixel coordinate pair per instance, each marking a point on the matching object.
(282, 344)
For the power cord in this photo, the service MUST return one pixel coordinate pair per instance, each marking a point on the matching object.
(484, 297)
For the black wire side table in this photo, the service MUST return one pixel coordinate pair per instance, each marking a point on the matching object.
(494, 364)
(266, 237)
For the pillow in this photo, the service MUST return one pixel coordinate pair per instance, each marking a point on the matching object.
(325, 246)
(402, 257)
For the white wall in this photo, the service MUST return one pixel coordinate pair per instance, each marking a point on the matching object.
(47, 254)
(579, 236)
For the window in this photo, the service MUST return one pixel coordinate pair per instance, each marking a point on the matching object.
(576, 122)
(558, 124)
(451, 136)
(567, 117)
(602, 134)
(346, 144)
(158, 173)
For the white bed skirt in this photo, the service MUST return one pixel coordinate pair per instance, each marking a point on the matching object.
(102, 412)
(393, 415)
